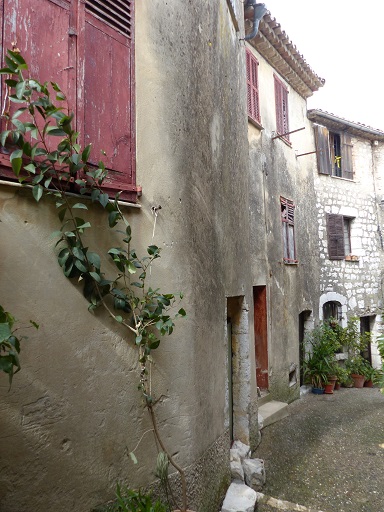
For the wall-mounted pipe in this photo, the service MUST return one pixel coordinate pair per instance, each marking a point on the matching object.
(258, 12)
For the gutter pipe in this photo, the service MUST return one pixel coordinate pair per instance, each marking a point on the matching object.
(258, 12)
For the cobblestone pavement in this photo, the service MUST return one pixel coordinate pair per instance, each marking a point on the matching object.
(329, 453)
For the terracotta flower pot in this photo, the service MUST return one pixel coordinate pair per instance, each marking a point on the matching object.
(337, 386)
(328, 388)
(358, 380)
(368, 384)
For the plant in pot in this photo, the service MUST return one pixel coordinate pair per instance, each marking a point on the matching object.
(343, 377)
(320, 360)
(357, 366)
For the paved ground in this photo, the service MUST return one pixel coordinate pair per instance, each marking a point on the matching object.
(329, 453)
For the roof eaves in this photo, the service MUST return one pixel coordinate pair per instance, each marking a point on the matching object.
(336, 122)
(276, 47)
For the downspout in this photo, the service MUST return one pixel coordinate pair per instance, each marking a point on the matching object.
(258, 12)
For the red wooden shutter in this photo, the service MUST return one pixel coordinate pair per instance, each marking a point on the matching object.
(322, 149)
(40, 31)
(107, 119)
(346, 156)
(281, 103)
(335, 228)
(252, 86)
(288, 222)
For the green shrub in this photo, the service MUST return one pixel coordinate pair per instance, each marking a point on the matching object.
(128, 500)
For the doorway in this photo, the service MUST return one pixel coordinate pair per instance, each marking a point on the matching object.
(304, 321)
(261, 335)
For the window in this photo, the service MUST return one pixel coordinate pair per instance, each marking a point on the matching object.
(332, 311)
(339, 236)
(91, 57)
(252, 87)
(281, 102)
(287, 219)
(334, 153)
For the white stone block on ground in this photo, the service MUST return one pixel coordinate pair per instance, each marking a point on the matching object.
(260, 421)
(234, 455)
(239, 498)
(237, 471)
(254, 473)
(242, 449)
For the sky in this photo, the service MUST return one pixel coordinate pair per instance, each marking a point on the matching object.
(343, 42)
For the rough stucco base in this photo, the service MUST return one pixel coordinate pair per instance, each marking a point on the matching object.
(207, 479)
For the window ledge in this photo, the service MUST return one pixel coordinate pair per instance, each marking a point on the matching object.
(16, 184)
(293, 262)
(351, 257)
(255, 123)
(341, 178)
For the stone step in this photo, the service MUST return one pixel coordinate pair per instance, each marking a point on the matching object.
(273, 411)
(269, 504)
(264, 397)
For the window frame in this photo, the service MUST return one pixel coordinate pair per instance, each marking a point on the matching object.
(328, 162)
(282, 109)
(337, 225)
(253, 95)
(288, 231)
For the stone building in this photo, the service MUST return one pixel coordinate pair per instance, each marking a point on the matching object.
(348, 191)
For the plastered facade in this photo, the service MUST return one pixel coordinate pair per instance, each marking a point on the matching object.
(276, 171)
(74, 411)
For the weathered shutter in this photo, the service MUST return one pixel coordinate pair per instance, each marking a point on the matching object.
(278, 100)
(346, 156)
(322, 149)
(39, 29)
(288, 221)
(335, 228)
(252, 86)
(281, 105)
(107, 119)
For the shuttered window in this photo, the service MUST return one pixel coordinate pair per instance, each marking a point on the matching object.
(281, 103)
(334, 153)
(288, 226)
(339, 236)
(86, 47)
(252, 87)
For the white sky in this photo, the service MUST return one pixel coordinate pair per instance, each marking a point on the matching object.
(343, 42)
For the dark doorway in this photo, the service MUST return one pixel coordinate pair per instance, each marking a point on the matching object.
(366, 323)
(303, 326)
(261, 335)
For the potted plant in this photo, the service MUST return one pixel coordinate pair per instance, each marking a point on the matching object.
(357, 366)
(320, 361)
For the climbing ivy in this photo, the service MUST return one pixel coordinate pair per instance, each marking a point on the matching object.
(36, 116)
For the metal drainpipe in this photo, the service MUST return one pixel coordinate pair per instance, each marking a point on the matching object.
(258, 12)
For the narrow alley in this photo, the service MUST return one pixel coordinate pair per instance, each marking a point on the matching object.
(328, 454)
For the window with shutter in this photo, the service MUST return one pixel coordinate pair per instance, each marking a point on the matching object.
(334, 153)
(91, 57)
(252, 87)
(339, 236)
(281, 102)
(288, 221)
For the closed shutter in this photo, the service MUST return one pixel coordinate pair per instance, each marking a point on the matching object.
(281, 105)
(87, 47)
(346, 156)
(252, 86)
(322, 149)
(41, 34)
(335, 228)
